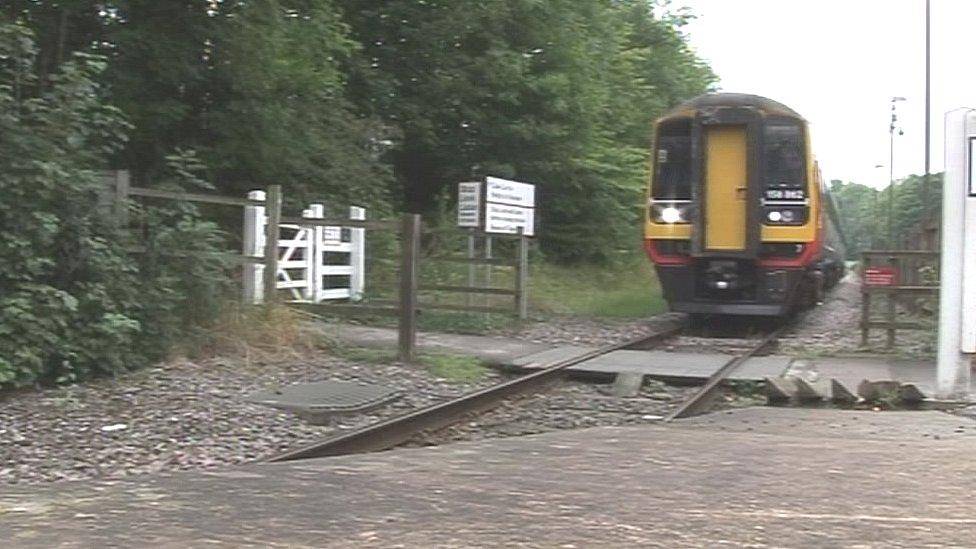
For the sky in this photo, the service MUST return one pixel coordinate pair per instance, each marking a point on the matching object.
(838, 63)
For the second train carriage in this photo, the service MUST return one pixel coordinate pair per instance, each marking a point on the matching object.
(739, 220)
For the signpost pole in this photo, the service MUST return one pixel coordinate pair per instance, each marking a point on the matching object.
(471, 267)
(488, 252)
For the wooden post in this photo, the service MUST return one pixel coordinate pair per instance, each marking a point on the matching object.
(865, 316)
(409, 248)
(890, 343)
(272, 230)
(488, 255)
(522, 276)
(121, 199)
(471, 266)
(865, 303)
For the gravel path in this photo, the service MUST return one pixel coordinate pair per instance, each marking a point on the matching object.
(589, 331)
(834, 329)
(185, 415)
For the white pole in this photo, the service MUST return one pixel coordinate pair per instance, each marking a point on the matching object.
(253, 244)
(310, 254)
(953, 372)
(316, 254)
(357, 255)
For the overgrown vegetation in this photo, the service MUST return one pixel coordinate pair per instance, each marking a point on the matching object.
(72, 302)
(378, 103)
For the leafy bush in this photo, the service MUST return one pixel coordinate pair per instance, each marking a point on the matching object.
(73, 303)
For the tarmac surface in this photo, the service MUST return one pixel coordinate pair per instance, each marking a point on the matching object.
(760, 477)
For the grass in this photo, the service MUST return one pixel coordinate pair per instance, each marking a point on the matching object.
(460, 369)
(626, 289)
(454, 368)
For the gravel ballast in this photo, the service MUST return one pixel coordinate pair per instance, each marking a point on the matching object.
(186, 415)
(192, 414)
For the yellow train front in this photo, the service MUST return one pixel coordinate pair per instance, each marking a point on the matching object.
(736, 220)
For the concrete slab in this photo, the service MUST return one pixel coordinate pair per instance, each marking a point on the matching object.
(497, 350)
(627, 384)
(850, 371)
(659, 364)
(810, 478)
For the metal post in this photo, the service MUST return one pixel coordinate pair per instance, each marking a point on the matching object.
(271, 233)
(891, 172)
(409, 247)
(522, 277)
(253, 246)
(928, 108)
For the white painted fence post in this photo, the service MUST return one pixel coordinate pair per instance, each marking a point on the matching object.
(357, 255)
(316, 255)
(254, 222)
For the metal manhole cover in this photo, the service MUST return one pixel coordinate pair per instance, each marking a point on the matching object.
(317, 402)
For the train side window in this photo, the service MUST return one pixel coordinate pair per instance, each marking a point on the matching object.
(785, 166)
(672, 161)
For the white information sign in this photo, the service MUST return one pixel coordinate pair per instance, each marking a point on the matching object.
(513, 193)
(505, 219)
(469, 205)
(509, 206)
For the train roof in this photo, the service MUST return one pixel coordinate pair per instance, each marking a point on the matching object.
(733, 100)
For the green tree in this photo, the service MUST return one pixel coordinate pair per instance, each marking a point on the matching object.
(254, 87)
(859, 211)
(558, 93)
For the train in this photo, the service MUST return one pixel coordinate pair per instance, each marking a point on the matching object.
(739, 220)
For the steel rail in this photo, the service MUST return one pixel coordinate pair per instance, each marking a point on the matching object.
(699, 402)
(392, 432)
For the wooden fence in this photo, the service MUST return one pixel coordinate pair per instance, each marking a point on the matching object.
(905, 277)
(408, 228)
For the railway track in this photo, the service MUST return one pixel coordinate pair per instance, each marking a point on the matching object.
(401, 429)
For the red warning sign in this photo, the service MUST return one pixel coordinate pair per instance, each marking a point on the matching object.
(881, 276)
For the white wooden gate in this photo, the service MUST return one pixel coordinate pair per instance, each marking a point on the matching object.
(314, 263)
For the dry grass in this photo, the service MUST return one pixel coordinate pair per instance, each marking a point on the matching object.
(261, 333)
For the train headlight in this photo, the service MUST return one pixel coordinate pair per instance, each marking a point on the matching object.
(670, 213)
(785, 215)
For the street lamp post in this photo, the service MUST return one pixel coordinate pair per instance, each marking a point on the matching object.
(891, 171)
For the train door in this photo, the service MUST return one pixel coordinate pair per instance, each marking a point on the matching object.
(725, 188)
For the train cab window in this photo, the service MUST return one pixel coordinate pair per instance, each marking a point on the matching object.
(672, 161)
(785, 166)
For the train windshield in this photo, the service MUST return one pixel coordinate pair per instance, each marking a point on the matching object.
(785, 167)
(672, 177)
